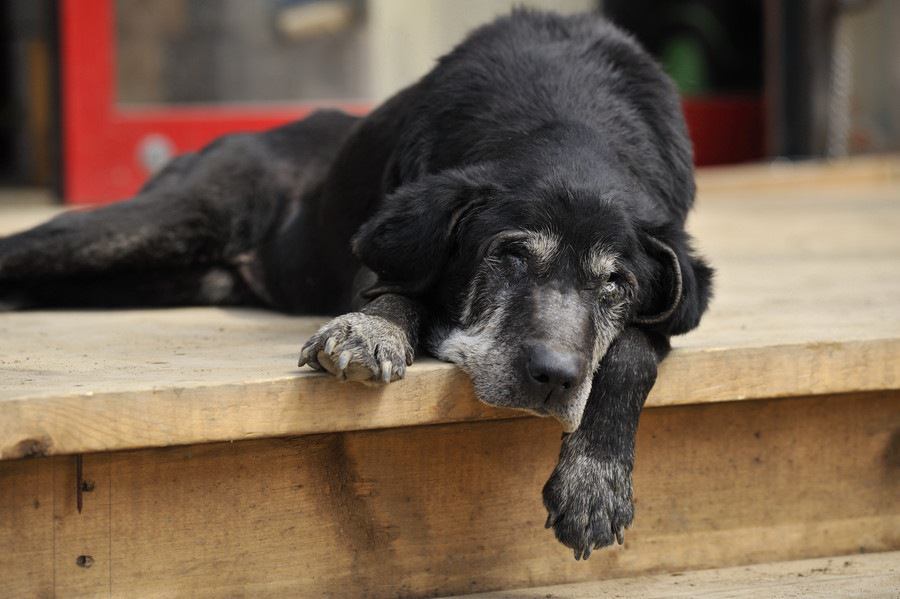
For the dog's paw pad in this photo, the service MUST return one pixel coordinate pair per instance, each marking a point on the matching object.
(359, 347)
(589, 502)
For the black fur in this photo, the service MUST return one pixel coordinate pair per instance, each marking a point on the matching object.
(460, 217)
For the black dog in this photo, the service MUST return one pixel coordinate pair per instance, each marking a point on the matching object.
(519, 211)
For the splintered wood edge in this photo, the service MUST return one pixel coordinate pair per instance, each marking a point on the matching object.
(432, 394)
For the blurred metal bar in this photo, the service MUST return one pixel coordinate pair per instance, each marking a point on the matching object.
(806, 77)
(797, 75)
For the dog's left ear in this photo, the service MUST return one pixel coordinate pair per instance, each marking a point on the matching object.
(679, 287)
(408, 240)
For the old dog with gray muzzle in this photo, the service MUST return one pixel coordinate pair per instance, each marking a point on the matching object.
(519, 211)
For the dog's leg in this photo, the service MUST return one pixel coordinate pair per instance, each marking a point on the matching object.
(588, 496)
(149, 289)
(145, 232)
(155, 249)
(375, 344)
(198, 210)
(205, 212)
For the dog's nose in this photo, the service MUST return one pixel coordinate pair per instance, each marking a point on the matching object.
(551, 368)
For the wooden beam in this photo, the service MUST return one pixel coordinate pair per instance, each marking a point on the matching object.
(806, 303)
(433, 394)
(452, 509)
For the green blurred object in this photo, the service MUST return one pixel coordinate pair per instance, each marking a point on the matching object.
(684, 59)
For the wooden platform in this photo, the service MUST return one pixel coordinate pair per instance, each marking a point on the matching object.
(807, 302)
(874, 576)
(181, 453)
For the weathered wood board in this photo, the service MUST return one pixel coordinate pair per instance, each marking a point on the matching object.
(807, 302)
(868, 576)
(450, 509)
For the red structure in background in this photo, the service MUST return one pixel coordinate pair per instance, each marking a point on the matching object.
(725, 129)
(101, 140)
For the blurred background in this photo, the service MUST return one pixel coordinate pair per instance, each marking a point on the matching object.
(96, 95)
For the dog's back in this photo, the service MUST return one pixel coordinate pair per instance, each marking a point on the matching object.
(512, 77)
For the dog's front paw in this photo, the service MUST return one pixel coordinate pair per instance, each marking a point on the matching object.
(588, 500)
(359, 347)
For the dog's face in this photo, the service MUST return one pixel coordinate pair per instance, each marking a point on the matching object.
(536, 318)
(527, 293)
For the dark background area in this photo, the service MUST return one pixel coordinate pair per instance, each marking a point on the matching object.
(823, 74)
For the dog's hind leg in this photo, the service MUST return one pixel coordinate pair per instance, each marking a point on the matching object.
(78, 261)
(198, 210)
(201, 214)
(150, 289)
(143, 232)
(158, 242)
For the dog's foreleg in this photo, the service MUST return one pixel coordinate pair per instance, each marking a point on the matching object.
(589, 494)
(375, 344)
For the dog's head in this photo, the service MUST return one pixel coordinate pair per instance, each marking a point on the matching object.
(528, 284)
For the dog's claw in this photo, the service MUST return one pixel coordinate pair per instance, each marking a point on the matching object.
(587, 552)
(305, 353)
(344, 359)
(330, 345)
(620, 536)
(386, 371)
(551, 519)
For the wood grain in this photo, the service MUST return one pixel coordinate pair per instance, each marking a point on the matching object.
(26, 528)
(450, 509)
(871, 576)
(807, 302)
(81, 540)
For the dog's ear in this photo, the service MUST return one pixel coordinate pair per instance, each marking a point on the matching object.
(408, 240)
(680, 284)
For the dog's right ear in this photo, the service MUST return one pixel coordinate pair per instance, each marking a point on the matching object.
(408, 240)
(681, 288)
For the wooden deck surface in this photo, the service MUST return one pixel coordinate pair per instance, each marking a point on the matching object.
(873, 576)
(807, 302)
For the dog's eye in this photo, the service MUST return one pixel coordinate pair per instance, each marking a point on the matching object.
(517, 260)
(612, 289)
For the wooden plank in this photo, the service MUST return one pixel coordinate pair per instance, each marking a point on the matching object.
(26, 528)
(871, 576)
(81, 536)
(803, 175)
(808, 293)
(434, 393)
(425, 511)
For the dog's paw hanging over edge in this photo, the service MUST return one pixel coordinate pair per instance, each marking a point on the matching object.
(588, 500)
